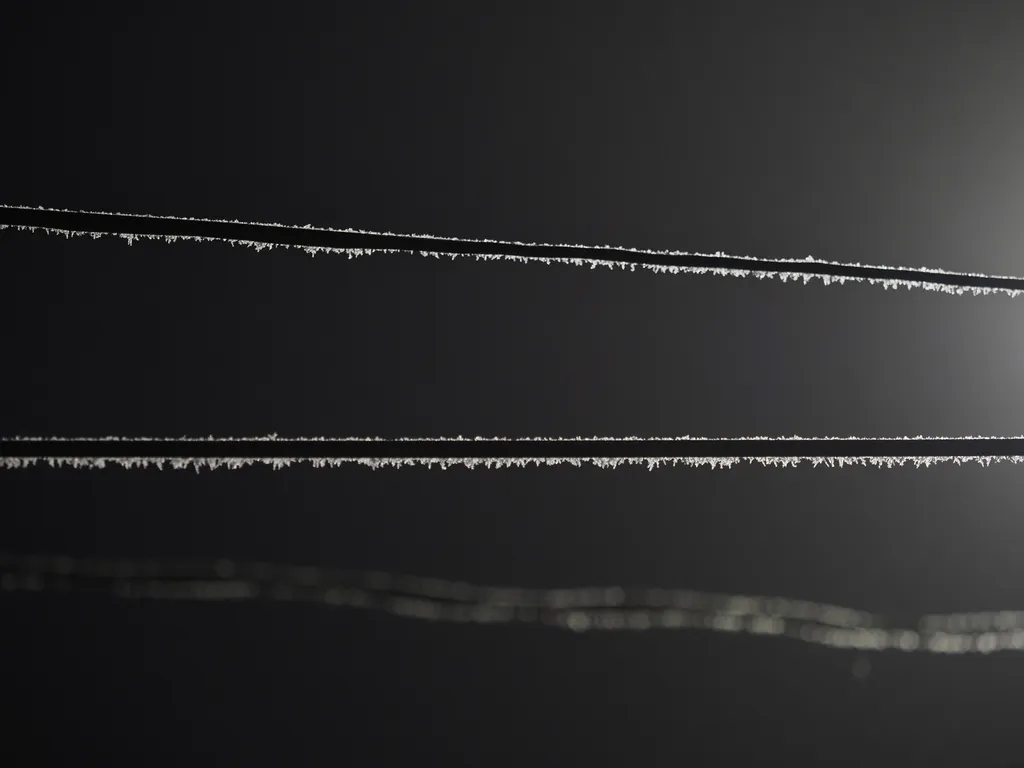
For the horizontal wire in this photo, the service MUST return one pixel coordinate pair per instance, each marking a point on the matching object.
(498, 452)
(576, 609)
(949, 633)
(354, 242)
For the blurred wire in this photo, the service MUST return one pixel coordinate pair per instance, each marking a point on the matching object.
(607, 608)
(576, 609)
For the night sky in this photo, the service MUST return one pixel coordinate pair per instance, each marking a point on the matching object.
(880, 133)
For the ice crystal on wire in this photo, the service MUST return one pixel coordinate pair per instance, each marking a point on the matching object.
(471, 462)
(494, 252)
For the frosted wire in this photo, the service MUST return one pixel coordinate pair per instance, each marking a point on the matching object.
(495, 245)
(578, 610)
(142, 461)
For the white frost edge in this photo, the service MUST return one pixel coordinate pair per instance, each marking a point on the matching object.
(893, 283)
(274, 437)
(603, 462)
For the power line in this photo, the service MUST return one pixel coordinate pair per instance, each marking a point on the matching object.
(280, 452)
(352, 243)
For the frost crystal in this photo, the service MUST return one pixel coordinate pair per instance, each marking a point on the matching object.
(198, 462)
(828, 272)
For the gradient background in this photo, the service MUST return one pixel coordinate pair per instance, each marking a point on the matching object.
(881, 133)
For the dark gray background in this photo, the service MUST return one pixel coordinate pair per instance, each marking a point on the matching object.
(878, 133)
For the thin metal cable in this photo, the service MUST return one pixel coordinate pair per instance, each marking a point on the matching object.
(603, 608)
(354, 242)
(496, 452)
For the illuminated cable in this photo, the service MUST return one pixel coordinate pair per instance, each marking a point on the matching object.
(497, 452)
(354, 242)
